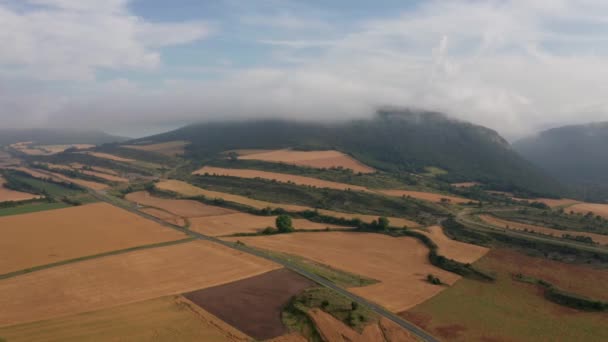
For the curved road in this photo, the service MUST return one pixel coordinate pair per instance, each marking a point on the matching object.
(421, 334)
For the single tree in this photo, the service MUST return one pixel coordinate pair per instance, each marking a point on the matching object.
(383, 223)
(284, 224)
(354, 305)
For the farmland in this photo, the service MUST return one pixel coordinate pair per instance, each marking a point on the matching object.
(61, 178)
(426, 196)
(584, 208)
(166, 318)
(253, 305)
(599, 238)
(50, 236)
(171, 148)
(462, 252)
(400, 264)
(12, 195)
(218, 225)
(186, 189)
(315, 159)
(121, 279)
(510, 310)
(279, 177)
(183, 208)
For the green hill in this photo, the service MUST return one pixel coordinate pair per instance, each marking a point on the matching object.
(393, 141)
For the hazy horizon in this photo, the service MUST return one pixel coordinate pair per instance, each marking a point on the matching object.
(141, 67)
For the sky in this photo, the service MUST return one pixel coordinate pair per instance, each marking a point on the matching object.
(144, 66)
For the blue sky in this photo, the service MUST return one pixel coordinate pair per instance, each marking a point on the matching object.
(142, 66)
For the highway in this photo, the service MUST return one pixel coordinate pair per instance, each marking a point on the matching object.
(421, 334)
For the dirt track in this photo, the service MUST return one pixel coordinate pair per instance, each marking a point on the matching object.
(253, 305)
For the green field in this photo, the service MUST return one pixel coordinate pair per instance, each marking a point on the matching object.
(54, 190)
(504, 310)
(32, 208)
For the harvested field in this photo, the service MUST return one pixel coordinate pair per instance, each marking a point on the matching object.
(183, 208)
(294, 337)
(165, 216)
(171, 318)
(316, 159)
(247, 223)
(61, 178)
(50, 236)
(459, 251)
(279, 177)
(121, 279)
(246, 152)
(46, 150)
(253, 305)
(465, 184)
(105, 176)
(186, 189)
(400, 264)
(426, 196)
(551, 202)
(595, 208)
(7, 160)
(171, 148)
(601, 239)
(33, 173)
(12, 195)
(509, 310)
(110, 157)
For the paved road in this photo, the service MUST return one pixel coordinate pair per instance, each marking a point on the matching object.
(423, 335)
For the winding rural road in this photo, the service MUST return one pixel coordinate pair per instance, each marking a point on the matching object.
(421, 334)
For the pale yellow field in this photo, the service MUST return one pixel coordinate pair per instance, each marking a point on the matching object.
(46, 237)
(601, 239)
(427, 196)
(110, 157)
(459, 251)
(122, 279)
(316, 159)
(171, 318)
(400, 264)
(595, 208)
(186, 189)
(12, 195)
(183, 208)
(279, 177)
(171, 148)
(246, 223)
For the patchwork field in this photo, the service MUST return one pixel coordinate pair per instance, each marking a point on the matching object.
(61, 178)
(459, 251)
(103, 175)
(599, 238)
(508, 310)
(183, 208)
(253, 305)
(45, 150)
(595, 208)
(121, 279)
(186, 189)
(551, 202)
(400, 264)
(12, 195)
(171, 318)
(50, 236)
(110, 157)
(165, 216)
(112, 177)
(171, 148)
(427, 196)
(279, 177)
(316, 159)
(228, 224)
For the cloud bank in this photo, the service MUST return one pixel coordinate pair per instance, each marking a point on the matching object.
(514, 66)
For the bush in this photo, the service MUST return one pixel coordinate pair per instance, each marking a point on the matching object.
(284, 224)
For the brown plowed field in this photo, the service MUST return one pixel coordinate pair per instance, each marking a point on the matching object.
(186, 189)
(253, 305)
(183, 208)
(459, 251)
(584, 208)
(12, 195)
(171, 148)
(601, 239)
(316, 159)
(165, 216)
(171, 318)
(49, 236)
(400, 264)
(279, 177)
(121, 279)
(246, 223)
(110, 157)
(427, 196)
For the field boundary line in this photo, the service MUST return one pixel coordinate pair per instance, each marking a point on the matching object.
(93, 256)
